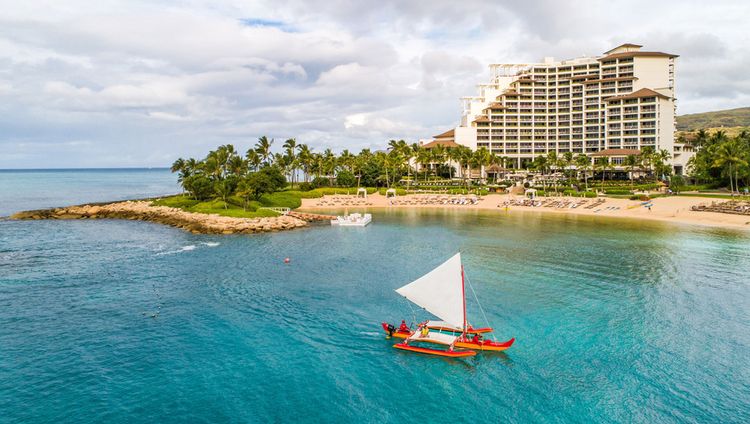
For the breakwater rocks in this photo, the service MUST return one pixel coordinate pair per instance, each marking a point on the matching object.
(198, 223)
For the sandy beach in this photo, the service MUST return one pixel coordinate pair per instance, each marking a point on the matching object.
(668, 209)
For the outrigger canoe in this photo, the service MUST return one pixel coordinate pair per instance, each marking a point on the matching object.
(466, 342)
(442, 293)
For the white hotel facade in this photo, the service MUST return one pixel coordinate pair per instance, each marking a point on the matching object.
(612, 105)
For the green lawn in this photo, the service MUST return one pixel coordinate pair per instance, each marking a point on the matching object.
(234, 207)
(214, 206)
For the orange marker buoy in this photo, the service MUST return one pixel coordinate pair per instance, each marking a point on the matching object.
(287, 260)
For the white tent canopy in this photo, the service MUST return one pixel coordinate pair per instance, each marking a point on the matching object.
(362, 192)
(440, 292)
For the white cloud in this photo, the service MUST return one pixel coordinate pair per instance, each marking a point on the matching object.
(143, 82)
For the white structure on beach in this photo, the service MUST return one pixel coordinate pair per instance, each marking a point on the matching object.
(621, 100)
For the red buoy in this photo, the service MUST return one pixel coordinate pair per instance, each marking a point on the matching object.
(287, 260)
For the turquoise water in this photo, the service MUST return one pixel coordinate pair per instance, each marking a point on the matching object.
(616, 321)
(46, 188)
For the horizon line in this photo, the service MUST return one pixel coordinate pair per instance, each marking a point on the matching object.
(120, 168)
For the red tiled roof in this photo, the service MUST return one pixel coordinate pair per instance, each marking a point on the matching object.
(643, 92)
(616, 152)
(638, 46)
(495, 105)
(482, 118)
(447, 134)
(635, 54)
(444, 143)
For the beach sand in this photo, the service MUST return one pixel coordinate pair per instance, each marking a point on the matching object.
(667, 209)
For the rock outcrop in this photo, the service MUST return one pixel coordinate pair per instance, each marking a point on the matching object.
(198, 223)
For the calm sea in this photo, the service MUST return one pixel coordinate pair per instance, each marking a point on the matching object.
(125, 322)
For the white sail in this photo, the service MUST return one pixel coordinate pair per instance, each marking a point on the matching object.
(440, 292)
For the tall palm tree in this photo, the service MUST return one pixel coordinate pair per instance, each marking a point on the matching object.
(730, 154)
(237, 166)
(438, 156)
(483, 158)
(567, 163)
(630, 163)
(253, 159)
(583, 164)
(263, 147)
(290, 146)
(329, 164)
(452, 154)
(701, 137)
(424, 158)
(603, 165)
(305, 156)
(646, 159)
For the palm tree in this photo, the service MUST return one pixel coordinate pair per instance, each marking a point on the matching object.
(290, 145)
(237, 166)
(452, 154)
(603, 165)
(730, 154)
(630, 163)
(554, 162)
(413, 154)
(438, 156)
(253, 159)
(263, 147)
(424, 157)
(700, 138)
(646, 159)
(329, 164)
(583, 164)
(567, 163)
(305, 156)
(464, 159)
(482, 158)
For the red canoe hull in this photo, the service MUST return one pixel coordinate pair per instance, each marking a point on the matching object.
(436, 352)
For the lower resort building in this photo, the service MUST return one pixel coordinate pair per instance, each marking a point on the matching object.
(607, 106)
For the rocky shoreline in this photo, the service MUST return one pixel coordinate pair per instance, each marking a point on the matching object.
(197, 223)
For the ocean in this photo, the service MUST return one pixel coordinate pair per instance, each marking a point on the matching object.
(123, 321)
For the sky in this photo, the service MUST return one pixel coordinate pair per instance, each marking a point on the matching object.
(141, 83)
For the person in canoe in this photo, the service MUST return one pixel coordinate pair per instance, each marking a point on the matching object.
(403, 327)
(424, 331)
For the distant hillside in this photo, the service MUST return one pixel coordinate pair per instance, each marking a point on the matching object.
(721, 118)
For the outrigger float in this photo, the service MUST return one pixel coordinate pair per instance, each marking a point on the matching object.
(442, 293)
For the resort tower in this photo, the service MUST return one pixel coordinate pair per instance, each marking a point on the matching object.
(612, 105)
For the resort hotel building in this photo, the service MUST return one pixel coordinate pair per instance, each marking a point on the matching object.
(613, 106)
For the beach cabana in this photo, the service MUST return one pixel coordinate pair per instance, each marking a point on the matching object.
(362, 192)
(530, 193)
(391, 192)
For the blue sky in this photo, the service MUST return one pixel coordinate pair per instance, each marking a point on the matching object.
(137, 83)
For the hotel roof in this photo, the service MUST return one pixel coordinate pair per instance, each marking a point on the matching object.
(626, 45)
(447, 134)
(495, 105)
(616, 152)
(635, 54)
(643, 92)
(444, 143)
